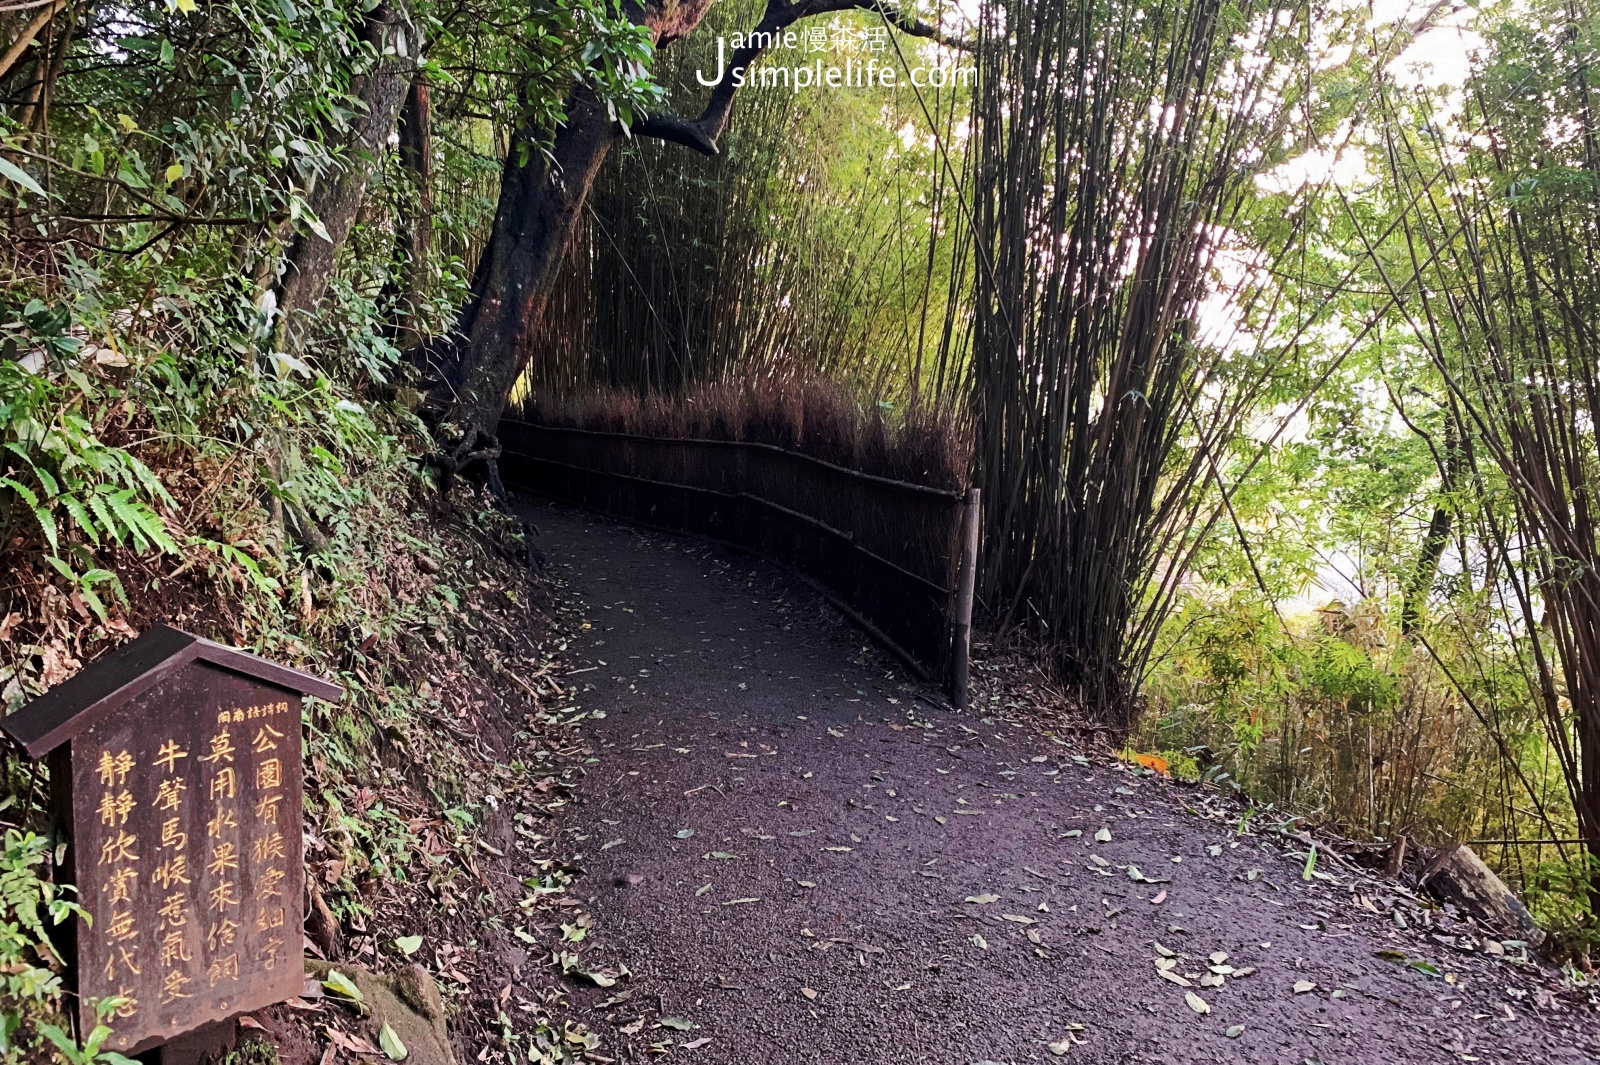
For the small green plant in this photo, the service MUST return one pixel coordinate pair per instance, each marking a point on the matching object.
(29, 966)
(252, 1052)
(90, 1053)
(81, 493)
(1557, 893)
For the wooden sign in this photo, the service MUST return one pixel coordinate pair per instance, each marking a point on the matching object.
(175, 771)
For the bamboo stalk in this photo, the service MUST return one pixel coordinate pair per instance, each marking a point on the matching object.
(9, 58)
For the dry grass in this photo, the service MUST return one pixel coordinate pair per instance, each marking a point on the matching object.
(814, 418)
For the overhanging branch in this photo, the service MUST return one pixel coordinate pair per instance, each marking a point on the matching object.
(702, 133)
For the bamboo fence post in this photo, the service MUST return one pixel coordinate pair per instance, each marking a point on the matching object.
(966, 578)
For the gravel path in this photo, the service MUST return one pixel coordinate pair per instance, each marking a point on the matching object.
(802, 858)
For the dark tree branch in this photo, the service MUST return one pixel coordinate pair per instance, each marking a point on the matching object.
(701, 134)
(689, 132)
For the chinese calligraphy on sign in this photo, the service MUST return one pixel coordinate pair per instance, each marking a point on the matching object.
(184, 807)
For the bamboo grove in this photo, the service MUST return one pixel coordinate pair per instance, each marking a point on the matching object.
(1271, 348)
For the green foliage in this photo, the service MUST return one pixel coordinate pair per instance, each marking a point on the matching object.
(30, 968)
(834, 206)
(90, 1053)
(1557, 894)
(153, 440)
(57, 476)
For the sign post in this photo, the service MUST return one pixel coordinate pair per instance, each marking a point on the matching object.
(175, 773)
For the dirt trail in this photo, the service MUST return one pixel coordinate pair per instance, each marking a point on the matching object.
(822, 911)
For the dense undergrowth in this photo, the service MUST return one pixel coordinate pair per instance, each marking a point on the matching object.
(283, 516)
(1342, 719)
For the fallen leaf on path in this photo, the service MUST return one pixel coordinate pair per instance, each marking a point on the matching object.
(979, 942)
(696, 1044)
(1196, 1003)
(340, 984)
(703, 889)
(685, 833)
(1103, 836)
(681, 1024)
(1161, 896)
(354, 1044)
(808, 993)
(1302, 986)
(1168, 974)
(1153, 761)
(806, 883)
(739, 902)
(1015, 918)
(390, 1043)
(838, 850)
(984, 899)
(1234, 1031)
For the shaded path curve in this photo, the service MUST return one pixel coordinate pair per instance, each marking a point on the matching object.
(800, 858)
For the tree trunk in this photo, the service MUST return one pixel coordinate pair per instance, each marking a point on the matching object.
(540, 200)
(416, 220)
(336, 197)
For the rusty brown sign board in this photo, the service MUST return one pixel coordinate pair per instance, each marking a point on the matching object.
(175, 773)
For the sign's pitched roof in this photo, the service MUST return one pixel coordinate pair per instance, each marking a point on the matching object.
(113, 679)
